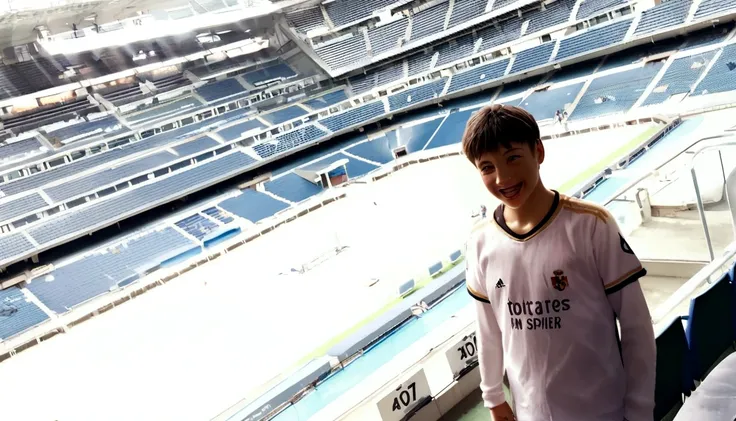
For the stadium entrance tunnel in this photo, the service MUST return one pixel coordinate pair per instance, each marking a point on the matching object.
(325, 173)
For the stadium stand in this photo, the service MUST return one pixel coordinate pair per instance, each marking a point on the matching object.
(288, 141)
(680, 77)
(219, 90)
(306, 20)
(19, 148)
(664, 15)
(615, 93)
(711, 7)
(79, 281)
(720, 78)
(589, 8)
(533, 57)
(104, 127)
(593, 39)
(326, 100)
(344, 12)
(478, 75)
(166, 160)
(543, 104)
(416, 95)
(347, 50)
(284, 114)
(465, 10)
(386, 37)
(354, 116)
(429, 21)
(253, 205)
(17, 313)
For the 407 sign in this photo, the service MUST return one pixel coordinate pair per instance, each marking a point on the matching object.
(404, 398)
(463, 354)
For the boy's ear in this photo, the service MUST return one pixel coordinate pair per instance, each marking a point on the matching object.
(539, 151)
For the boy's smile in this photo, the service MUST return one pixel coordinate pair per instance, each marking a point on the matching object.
(512, 173)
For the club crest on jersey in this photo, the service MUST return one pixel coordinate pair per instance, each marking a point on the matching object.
(559, 281)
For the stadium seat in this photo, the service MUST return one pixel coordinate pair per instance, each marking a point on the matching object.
(710, 330)
(435, 268)
(455, 256)
(406, 288)
(674, 377)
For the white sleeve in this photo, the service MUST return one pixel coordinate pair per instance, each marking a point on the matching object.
(620, 271)
(639, 351)
(488, 334)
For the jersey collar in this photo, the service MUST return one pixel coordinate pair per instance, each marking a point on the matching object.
(544, 223)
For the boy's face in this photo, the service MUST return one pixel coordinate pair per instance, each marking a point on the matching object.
(511, 174)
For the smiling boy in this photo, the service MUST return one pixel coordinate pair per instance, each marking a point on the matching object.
(551, 276)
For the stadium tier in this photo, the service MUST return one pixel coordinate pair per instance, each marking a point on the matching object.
(163, 153)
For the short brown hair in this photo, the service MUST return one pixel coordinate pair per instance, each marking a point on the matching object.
(497, 126)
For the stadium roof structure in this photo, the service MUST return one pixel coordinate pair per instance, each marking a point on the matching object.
(22, 21)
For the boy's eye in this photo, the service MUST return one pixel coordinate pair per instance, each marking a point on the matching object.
(486, 169)
(514, 158)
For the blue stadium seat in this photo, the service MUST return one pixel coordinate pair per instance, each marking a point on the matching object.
(435, 268)
(455, 256)
(406, 288)
(710, 330)
(673, 378)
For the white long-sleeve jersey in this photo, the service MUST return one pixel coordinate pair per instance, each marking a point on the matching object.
(547, 304)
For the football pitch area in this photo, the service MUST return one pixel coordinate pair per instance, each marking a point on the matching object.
(226, 330)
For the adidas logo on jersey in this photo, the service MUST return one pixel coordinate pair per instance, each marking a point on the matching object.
(500, 284)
